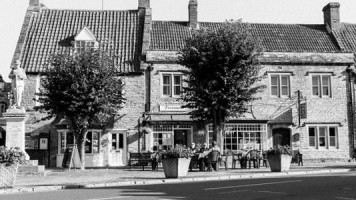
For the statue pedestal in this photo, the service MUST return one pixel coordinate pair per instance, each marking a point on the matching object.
(15, 137)
(15, 127)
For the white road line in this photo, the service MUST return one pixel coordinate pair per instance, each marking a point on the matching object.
(235, 191)
(257, 184)
(273, 192)
(344, 198)
(118, 197)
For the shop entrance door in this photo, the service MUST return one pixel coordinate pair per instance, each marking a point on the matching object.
(180, 137)
(281, 136)
(2, 138)
(118, 149)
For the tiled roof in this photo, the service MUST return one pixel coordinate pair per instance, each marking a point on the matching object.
(53, 31)
(346, 36)
(274, 37)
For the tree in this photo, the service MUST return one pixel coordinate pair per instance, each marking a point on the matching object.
(84, 89)
(222, 71)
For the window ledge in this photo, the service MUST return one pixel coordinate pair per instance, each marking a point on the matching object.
(320, 72)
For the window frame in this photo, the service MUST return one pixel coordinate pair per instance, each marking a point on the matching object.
(62, 147)
(83, 45)
(171, 85)
(327, 137)
(119, 141)
(320, 85)
(279, 85)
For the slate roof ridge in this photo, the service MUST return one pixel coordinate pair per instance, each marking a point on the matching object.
(255, 23)
(88, 10)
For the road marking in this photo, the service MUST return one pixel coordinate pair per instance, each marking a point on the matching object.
(235, 191)
(257, 184)
(118, 197)
(273, 192)
(344, 198)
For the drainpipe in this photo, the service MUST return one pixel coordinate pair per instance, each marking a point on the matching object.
(351, 105)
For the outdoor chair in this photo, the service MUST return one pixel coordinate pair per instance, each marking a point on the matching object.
(254, 158)
(213, 160)
(264, 159)
(194, 162)
(224, 158)
(238, 158)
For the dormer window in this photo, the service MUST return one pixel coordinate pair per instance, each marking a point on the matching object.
(84, 41)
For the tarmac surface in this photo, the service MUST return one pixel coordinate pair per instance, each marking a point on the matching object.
(57, 179)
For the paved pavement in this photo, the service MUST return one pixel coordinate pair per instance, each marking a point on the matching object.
(57, 179)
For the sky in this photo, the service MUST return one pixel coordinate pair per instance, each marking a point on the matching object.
(254, 11)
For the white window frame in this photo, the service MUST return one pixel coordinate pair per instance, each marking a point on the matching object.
(320, 85)
(65, 132)
(279, 84)
(327, 136)
(117, 147)
(84, 45)
(172, 86)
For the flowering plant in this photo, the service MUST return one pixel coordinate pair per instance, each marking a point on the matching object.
(280, 150)
(177, 152)
(12, 155)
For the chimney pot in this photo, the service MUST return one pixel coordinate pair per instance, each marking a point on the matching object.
(332, 15)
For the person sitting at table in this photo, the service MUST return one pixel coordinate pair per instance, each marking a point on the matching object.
(193, 147)
(204, 148)
(215, 147)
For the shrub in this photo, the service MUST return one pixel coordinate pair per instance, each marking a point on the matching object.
(276, 150)
(177, 152)
(12, 155)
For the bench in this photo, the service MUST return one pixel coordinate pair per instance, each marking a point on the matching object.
(140, 159)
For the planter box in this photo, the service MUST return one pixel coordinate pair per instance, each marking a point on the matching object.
(279, 162)
(175, 167)
(8, 175)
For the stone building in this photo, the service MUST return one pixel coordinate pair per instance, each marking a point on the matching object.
(309, 61)
(306, 103)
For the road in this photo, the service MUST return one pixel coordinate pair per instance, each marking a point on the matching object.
(326, 186)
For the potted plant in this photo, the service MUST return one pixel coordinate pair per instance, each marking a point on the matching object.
(279, 158)
(10, 158)
(176, 161)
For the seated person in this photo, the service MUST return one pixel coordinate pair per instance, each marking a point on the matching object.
(215, 147)
(204, 148)
(193, 148)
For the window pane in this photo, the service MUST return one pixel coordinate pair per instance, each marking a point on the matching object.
(274, 80)
(166, 90)
(325, 80)
(322, 138)
(312, 136)
(315, 80)
(114, 141)
(88, 143)
(177, 80)
(326, 91)
(284, 80)
(315, 91)
(274, 90)
(332, 131)
(285, 91)
(166, 79)
(95, 142)
(121, 141)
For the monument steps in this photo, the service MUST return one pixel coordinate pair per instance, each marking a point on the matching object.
(31, 168)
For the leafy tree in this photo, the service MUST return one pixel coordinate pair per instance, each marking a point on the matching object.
(84, 89)
(222, 71)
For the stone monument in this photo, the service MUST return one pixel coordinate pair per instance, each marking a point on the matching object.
(15, 116)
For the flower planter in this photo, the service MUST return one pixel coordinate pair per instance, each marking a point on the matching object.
(279, 162)
(175, 167)
(8, 175)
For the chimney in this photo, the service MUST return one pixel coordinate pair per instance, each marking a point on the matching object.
(332, 15)
(145, 15)
(193, 13)
(143, 3)
(35, 5)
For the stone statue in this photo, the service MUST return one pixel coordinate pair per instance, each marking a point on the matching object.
(17, 76)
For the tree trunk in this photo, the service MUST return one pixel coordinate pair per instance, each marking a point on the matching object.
(81, 148)
(218, 127)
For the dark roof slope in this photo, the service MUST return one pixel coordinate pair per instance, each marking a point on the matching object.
(53, 31)
(274, 37)
(346, 36)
